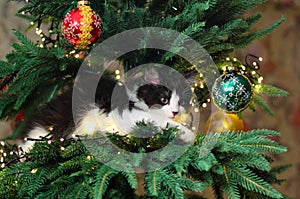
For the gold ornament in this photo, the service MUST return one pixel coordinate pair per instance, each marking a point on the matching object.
(223, 122)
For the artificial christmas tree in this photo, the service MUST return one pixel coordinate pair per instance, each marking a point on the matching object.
(236, 164)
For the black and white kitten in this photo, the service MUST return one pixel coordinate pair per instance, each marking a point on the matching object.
(149, 102)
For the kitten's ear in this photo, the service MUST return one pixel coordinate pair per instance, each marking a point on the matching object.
(152, 76)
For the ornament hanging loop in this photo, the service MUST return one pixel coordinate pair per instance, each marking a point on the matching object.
(83, 2)
(254, 65)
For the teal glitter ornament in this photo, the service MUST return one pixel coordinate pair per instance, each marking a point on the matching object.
(232, 92)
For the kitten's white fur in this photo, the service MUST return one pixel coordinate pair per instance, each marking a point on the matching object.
(37, 133)
(95, 120)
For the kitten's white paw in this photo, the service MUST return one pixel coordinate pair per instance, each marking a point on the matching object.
(187, 136)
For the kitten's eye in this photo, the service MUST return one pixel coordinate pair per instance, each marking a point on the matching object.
(164, 100)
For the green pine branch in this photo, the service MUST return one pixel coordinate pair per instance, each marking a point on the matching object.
(152, 183)
(262, 104)
(47, 8)
(271, 91)
(235, 163)
(35, 71)
(104, 174)
(250, 181)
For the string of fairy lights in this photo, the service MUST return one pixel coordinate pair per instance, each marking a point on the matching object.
(53, 30)
(9, 154)
(249, 69)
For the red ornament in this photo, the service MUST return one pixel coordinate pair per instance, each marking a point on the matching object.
(81, 26)
(20, 117)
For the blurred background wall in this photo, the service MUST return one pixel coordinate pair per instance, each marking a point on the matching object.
(8, 22)
(281, 67)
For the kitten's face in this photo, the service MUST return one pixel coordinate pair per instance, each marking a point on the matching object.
(160, 97)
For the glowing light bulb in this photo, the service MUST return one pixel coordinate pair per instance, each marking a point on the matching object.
(38, 31)
(260, 79)
(257, 87)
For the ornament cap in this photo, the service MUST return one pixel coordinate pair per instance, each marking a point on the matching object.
(231, 68)
(83, 2)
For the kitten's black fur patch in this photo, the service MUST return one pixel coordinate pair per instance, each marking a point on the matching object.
(152, 94)
(58, 113)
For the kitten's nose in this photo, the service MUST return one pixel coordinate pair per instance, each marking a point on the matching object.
(174, 113)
